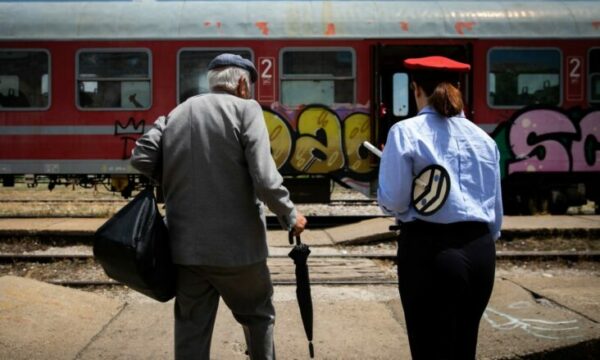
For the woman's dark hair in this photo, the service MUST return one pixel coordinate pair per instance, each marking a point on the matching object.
(441, 87)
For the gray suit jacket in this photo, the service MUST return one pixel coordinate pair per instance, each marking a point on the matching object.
(216, 167)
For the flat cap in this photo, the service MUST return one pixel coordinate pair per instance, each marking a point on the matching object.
(436, 63)
(225, 60)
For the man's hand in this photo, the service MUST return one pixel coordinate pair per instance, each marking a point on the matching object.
(300, 223)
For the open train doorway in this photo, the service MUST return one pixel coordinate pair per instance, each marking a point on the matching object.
(393, 99)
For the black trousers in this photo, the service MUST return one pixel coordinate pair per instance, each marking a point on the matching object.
(445, 278)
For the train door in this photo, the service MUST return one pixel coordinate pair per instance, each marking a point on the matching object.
(393, 100)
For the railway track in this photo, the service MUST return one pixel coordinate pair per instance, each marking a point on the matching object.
(65, 258)
(334, 268)
(62, 201)
(324, 222)
(315, 221)
(81, 270)
(353, 202)
(84, 283)
(7, 258)
(335, 202)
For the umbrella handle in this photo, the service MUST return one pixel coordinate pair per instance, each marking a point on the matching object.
(291, 238)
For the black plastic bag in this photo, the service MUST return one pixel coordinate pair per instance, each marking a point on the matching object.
(133, 248)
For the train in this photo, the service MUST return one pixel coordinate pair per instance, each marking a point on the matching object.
(80, 81)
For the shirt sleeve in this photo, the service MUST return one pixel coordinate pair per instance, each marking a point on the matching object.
(395, 173)
(147, 155)
(267, 181)
(499, 210)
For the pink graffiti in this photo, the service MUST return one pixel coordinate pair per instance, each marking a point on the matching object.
(549, 124)
(590, 137)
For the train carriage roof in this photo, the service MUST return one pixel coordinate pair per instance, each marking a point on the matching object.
(270, 19)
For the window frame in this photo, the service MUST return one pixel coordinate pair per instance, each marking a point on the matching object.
(49, 80)
(589, 78)
(283, 77)
(207, 49)
(488, 72)
(113, 50)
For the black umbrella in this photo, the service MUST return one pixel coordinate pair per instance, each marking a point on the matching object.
(300, 254)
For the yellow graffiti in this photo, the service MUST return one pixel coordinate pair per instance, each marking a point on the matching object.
(280, 136)
(319, 142)
(357, 129)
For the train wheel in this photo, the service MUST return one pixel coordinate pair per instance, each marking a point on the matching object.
(558, 203)
(531, 205)
(535, 203)
(511, 207)
(514, 203)
(119, 182)
(8, 181)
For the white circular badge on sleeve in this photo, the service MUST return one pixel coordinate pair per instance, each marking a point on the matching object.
(430, 190)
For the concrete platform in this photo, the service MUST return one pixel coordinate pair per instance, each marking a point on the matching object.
(517, 324)
(358, 233)
(41, 321)
(49, 226)
(529, 317)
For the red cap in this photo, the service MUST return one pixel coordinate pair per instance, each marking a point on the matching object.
(436, 63)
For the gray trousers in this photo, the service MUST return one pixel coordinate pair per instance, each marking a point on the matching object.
(247, 291)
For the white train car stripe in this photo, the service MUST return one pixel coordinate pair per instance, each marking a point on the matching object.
(343, 19)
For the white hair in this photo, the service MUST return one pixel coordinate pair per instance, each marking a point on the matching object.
(227, 78)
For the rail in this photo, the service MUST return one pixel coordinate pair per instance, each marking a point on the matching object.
(592, 255)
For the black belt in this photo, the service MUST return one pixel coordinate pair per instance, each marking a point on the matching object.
(462, 232)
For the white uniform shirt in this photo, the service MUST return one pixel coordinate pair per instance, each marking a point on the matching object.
(469, 155)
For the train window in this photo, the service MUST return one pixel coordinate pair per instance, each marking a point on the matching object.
(400, 91)
(192, 64)
(24, 80)
(518, 77)
(321, 76)
(594, 76)
(113, 79)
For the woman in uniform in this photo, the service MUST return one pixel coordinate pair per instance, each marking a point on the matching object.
(440, 178)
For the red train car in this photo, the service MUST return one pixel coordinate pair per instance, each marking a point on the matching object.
(81, 80)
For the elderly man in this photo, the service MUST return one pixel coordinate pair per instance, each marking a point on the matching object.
(213, 155)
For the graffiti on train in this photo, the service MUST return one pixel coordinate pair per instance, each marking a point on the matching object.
(128, 134)
(322, 142)
(550, 140)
